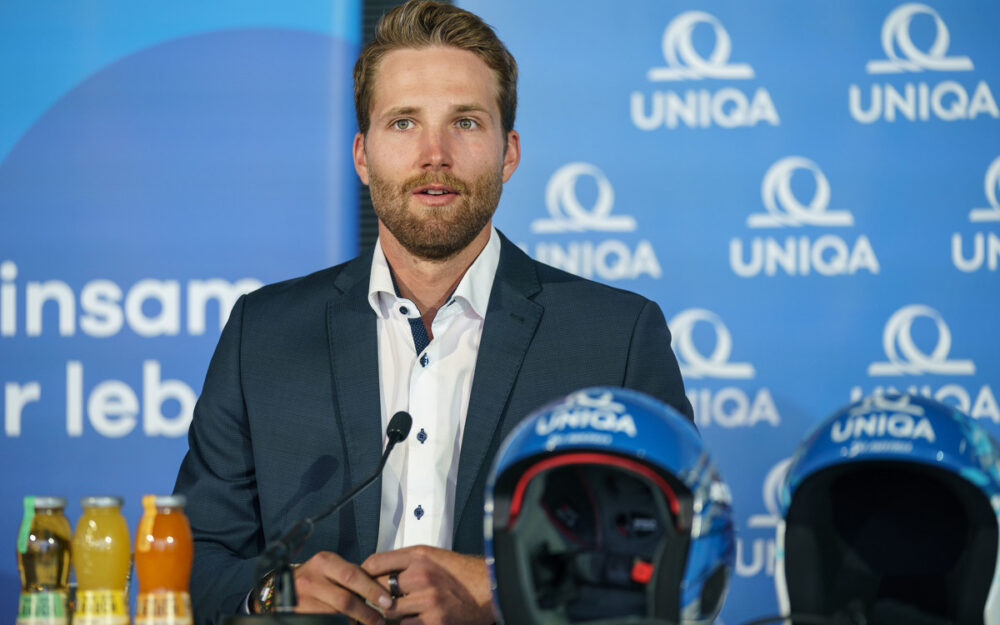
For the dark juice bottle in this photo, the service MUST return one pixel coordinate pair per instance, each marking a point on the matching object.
(43, 560)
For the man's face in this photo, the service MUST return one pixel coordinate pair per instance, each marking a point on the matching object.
(435, 156)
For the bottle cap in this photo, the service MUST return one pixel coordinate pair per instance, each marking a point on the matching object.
(170, 501)
(49, 503)
(103, 501)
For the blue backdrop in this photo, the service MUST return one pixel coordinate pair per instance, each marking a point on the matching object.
(156, 160)
(809, 190)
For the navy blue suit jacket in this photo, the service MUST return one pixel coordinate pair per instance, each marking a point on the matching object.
(289, 419)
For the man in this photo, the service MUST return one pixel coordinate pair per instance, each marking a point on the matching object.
(445, 318)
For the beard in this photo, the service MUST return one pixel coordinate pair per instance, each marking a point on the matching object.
(436, 232)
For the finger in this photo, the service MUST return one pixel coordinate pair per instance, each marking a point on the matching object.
(383, 581)
(416, 578)
(352, 577)
(337, 600)
(416, 604)
(386, 562)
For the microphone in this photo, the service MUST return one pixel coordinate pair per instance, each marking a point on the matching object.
(399, 428)
(279, 555)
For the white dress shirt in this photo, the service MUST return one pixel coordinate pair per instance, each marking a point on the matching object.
(433, 385)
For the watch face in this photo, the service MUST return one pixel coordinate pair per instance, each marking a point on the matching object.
(263, 595)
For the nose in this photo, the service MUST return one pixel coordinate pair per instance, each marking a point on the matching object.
(435, 152)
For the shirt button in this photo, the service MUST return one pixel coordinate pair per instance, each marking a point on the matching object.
(419, 512)
(404, 310)
(424, 360)
(422, 436)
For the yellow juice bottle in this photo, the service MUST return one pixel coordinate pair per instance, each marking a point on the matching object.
(102, 559)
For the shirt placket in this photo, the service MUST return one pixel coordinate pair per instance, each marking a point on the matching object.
(429, 456)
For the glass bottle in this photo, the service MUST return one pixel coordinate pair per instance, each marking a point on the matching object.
(102, 559)
(164, 551)
(43, 560)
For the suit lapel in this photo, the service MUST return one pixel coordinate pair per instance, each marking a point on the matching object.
(354, 361)
(511, 321)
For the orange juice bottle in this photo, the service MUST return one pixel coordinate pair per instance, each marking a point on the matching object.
(164, 551)
(102, 561)
(43, 557)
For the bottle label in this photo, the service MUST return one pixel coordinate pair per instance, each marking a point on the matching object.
(29, 515)
(42, 608)
(146, 523)
(163, 608)
(100, 607)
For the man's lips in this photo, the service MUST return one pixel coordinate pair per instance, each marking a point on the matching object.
(435, 190)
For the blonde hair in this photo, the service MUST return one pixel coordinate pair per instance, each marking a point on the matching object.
(423, 23)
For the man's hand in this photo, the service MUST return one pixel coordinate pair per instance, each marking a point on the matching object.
(440, 587)
(327, 583)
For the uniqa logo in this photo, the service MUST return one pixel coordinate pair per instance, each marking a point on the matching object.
(947, 101)
(762, 550)
(985, 245)
(896, 37)
(828, 255)
(728, 406)
(784, 209)
(728, 107)
(582, 411)
(610, 259)
(905, 358)
(991, 184)
(882, 403)
(693, 363)
(567, 214)
(684, 62)
(880, 424)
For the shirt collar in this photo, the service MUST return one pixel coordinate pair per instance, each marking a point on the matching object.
(474, 287)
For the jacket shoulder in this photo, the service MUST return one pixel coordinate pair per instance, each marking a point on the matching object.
(562, 289)
(303, 290)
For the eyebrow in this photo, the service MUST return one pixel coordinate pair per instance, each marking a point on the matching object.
(401, 110)
(471, 108)
(461, 108)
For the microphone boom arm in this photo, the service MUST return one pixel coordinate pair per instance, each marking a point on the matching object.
(278, 557)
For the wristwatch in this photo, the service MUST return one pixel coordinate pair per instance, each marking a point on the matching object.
(262, 595)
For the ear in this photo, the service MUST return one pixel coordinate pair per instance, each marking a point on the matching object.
(512, 157)
(360, 158)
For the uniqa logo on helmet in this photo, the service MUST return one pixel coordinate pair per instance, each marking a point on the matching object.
(727, 406)
(946, 101)
(878, 416)
(637, 530)
(826, 255)
(901, 510)
(728, 107)
(610, 259)
(905, 359)
(582, 411)
(985, 245)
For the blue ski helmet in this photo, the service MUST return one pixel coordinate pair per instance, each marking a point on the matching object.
(603, 506)
(890, 512)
